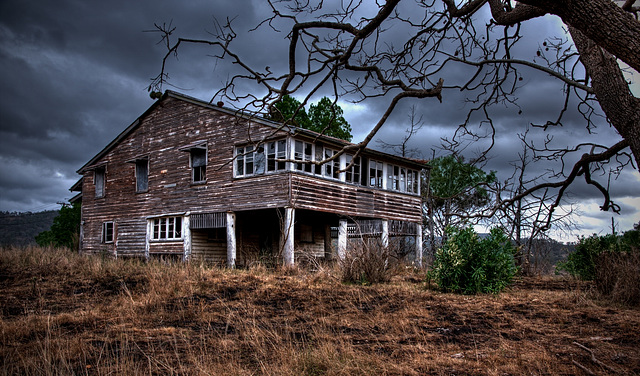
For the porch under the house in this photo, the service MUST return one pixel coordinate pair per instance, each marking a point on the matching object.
(287, 236)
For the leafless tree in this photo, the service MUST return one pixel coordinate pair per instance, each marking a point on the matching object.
(353, 49)
(526, 220)
(402, 148)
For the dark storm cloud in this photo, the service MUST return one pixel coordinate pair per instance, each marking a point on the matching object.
(74, 75)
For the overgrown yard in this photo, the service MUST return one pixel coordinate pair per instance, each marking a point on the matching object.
(67, 314)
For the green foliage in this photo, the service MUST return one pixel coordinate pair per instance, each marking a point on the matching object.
(323, 117)
(64, 230)
(452, 178)
(582, 263)
(468, 265)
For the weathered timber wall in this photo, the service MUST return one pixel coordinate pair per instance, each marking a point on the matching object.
(174, 124)
(159, 136)
(208, 248)
(329, 196)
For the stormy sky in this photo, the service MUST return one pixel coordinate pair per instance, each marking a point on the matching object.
(74, 74)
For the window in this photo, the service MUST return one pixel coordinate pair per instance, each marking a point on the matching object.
(393, 181)
(276, 150)
(403, 180)
(303, 152)
(252, 160)
(199, 164)
(331, 169)
(107, 232)
(375, 174)
(412, 181)
(353, 173)
(318, 167)
(168, 228)
(244, 161)
(142, 175)
(98, 180)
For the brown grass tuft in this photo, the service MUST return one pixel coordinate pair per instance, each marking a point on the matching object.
(63, 313)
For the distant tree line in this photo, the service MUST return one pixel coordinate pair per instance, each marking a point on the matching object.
(20, 229)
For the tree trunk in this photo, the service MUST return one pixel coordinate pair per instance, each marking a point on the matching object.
(611, 89)
(602, 21)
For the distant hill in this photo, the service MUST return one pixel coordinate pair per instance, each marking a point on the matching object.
(20, 229)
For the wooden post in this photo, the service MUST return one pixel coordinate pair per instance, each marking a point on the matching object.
(231, 240)
(342, 239)
(327, 242)
(147, 240)
(186, 237)
(385, 233)
(419, 245)
(289, 223)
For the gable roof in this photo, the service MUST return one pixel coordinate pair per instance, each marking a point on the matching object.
(237, 113)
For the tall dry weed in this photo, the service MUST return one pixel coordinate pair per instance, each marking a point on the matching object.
(618, 276)
(368, 261)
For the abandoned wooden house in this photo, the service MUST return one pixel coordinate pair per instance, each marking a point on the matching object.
(192, 180)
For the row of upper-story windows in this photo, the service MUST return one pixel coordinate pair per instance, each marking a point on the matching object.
(274, 156)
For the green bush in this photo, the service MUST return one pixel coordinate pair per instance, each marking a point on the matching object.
(582, 262)
(612, 261)
(65, 229)
(469, 265)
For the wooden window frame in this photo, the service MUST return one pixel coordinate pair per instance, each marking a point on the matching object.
(331, 169)
(353, 174)
(276, 150)
(100, 181)
(377, 175)
(142, 185)
(108, 232)
(198, 165)
(167, 228)
(306, 154)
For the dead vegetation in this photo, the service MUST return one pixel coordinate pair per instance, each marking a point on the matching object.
(67, 314)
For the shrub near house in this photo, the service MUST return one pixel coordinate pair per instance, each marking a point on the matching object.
(468, 265)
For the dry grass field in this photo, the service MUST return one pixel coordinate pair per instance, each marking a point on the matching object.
(64, 314)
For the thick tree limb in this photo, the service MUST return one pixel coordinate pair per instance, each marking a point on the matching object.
(602, 21)
(611, 89)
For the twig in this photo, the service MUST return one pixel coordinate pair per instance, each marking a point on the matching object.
(587, 370)
(593, 357)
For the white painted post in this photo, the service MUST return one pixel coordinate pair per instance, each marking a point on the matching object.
(385, 233)
(231, 240)
(342, 239)
(419, 245)
(289, 223)
(186, 237)
(147, 240)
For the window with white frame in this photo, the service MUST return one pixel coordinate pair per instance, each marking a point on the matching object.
(412, 181)
(244, 160)
(303, 151)
(319, 157)
(99, 179)
(167, 228)
(276, 153)
(393, 173)
(353, 172)
(331, 169)
(375, 174)
(107, 232)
